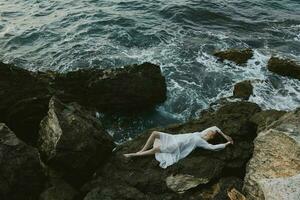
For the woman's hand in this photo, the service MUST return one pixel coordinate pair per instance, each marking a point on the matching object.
(229, 139)
(227, 143)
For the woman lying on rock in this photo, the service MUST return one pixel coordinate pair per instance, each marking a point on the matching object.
(168, 148)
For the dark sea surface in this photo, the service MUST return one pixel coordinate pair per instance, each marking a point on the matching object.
(179, 35)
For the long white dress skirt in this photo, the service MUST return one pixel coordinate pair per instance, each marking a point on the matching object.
(169, 149)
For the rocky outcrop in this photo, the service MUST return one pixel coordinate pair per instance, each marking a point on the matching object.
(132, 88)
(234, 194)
(23, 101)
(243, 90)
(284, 67)
(144, 176)
(276, 160)
(286, 188)
(24, 95)
(221, 189)
(21, 174)
(74, 144)
(73, 141)
(265, 118)
(183, 182)
(117, 191)
(59, 190)
(240, 57)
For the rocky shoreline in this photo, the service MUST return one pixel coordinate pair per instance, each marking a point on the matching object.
(52, 146)
(25, 95)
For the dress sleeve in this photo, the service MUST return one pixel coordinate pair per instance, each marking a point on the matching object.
(212, 128)
(214, 147)
(205, 145)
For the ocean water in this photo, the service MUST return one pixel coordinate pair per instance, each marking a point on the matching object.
(179, 35)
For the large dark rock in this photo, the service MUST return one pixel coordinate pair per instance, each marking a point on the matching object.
(23, 101)
(24, 95)
(243, 90)
(73, 141)
(115, 191)
(266, 117)
(144, 174)
(284, 67)
(273, 172)
(21, 174)
(133, 88)
(240, 57)
(219, 190)
(58, 189)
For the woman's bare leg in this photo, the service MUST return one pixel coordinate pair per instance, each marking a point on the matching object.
(144, 150)
(150, 141)
(143, 153)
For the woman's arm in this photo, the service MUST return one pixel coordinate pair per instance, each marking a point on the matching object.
(215, 128)
(212, 128)
(229, 139)
(215, 147)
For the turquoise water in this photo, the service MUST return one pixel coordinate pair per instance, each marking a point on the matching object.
(179, 35)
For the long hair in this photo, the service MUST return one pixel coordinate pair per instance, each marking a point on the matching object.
(217, 138)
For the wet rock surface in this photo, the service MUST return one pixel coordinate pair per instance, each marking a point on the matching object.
(243, 90)
(240, 57)
(284, 67)
(73, 141)
(275, 161)
(24, 95)
(21, 173)
(23, 101)
(132, 88)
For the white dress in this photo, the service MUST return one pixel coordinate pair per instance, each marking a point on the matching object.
(175, 147)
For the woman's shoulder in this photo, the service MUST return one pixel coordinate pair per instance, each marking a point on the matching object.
(214, 128)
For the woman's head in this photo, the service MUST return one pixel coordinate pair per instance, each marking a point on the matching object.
(211, 134)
